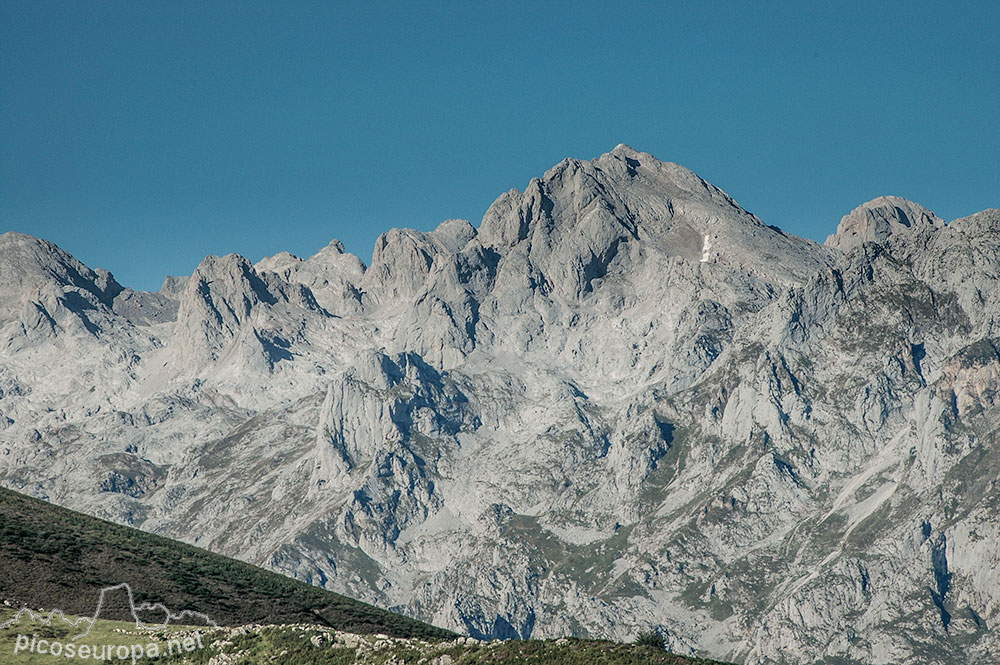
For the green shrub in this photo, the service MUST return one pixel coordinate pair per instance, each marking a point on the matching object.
(650, 638)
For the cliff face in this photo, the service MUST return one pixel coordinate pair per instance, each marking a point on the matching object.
(622, 402)
(880, 218)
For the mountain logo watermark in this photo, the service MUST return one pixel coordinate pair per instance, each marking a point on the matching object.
(78, 647)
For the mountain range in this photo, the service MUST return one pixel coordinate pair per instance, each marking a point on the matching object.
(620, 403)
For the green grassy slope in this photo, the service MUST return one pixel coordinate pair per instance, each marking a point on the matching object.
(110, 633)
(310, 646)
(51, 557)
(314, 645)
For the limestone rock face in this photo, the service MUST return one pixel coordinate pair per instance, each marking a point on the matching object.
(404, 258)
(880, 218)
(620, 403)
(35, 274)
(332, 275)
(227, 308)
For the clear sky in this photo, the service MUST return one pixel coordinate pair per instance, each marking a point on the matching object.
(141, 136)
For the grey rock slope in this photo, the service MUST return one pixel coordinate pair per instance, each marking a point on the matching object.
(622, 402)
(876, 220)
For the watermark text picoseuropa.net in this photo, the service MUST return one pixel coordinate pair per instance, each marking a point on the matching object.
(130, 652)
(153, 644)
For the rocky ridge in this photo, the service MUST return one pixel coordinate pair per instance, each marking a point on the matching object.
(622, 402)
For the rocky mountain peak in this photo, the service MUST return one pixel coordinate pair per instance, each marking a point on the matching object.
(454, 234)
(227, 299)
(332, 275)
(880, 218)
(584, 214)
(333, 248)
(277, 263)
(624, 149)
(28, 263)
(403, 259)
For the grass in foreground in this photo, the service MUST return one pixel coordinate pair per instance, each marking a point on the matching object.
(113, 633)
(316, 645)
(303, 645)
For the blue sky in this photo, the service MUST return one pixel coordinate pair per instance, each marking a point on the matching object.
(142, 136)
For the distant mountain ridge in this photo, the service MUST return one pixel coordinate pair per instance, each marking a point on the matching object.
(620, 403)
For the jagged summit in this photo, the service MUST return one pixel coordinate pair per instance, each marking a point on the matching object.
(454, 234)
(642, 196)
(39, 282)
(587, 212)
(277, 263)
(879, 218)
(26, 261)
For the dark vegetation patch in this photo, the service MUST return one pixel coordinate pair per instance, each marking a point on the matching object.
(57, 558)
